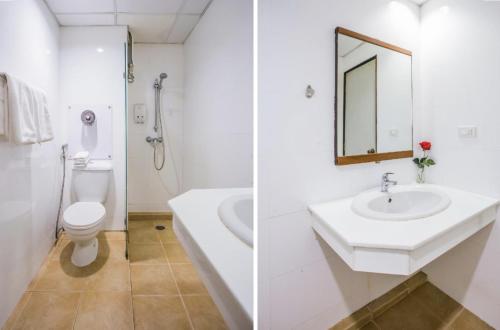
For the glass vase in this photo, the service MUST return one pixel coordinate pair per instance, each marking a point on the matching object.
(420, 175)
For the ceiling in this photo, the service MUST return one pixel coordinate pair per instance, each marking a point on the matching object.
(149, 21)
(419, 2)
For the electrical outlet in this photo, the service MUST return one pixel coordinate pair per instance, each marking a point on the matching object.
(467, 131)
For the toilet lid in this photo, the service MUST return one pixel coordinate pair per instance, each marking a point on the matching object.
(84, 214)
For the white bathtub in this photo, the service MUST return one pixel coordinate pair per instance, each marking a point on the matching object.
(224, 260)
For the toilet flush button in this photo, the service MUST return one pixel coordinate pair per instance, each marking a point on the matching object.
(467, 131)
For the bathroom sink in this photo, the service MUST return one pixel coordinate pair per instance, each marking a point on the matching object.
(401, 203)
(236, 213)
(419, 224)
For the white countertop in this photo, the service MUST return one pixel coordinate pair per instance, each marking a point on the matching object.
(356, 230)
(233, 259)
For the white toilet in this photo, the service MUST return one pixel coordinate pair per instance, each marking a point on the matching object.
(83, 219)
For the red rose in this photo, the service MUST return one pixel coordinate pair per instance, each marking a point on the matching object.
(425, 145)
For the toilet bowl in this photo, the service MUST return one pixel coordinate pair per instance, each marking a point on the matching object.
(83, 219)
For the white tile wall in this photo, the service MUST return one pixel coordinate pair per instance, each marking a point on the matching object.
(460, 79)
(149, 190)
(218, 99)
(302, 283)
(30, 176)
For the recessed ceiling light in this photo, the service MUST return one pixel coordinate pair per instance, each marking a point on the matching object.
(100, 50)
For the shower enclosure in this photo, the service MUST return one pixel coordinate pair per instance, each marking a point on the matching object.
(154, 128)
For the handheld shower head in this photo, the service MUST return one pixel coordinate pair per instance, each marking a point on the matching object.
(163, 75)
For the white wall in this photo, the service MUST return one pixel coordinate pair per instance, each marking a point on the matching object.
(460, 86)
(148, 189)
(29, 175)
(218, 98)
(88, 77)
(302, 283)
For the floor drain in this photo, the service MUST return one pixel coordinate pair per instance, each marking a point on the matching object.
(160, 227)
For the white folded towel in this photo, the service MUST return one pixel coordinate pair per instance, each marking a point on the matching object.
(81, 161)
(28, 114)
(81, 155)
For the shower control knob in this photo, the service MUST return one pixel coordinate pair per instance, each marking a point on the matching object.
(149, 139)
(159, 140)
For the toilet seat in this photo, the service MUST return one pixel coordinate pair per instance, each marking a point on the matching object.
(83, 215)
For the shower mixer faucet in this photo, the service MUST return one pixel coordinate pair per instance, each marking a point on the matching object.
(153, 140)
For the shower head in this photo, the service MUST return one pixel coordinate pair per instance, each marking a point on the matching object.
(163, 75)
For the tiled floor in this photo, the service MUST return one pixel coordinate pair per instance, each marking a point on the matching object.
(157, 289)
(427, 308)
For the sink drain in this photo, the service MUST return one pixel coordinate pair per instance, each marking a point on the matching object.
(160, 227)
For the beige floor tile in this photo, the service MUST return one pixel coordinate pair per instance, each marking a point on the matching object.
(187, 279)
(370, 326)
(409, 315)
(112, 249)
(416, 281)
(49, 310)
(62, 250)
(159, 312)
(175, 253)
(64, 276)
(144, 234)
(152, 280)
(140, 224)
(389, 299)
(468, 321)
(9, 324)
(204, 313)
(167, 235)
(109, 275)
(146, 254)
(112, 235)
(440, 304)
(105, 310)
(358, 318)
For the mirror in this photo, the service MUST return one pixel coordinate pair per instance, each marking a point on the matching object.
(373, 100)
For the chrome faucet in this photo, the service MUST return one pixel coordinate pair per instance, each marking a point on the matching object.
(384, 187)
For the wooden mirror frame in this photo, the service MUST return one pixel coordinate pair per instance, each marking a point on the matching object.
(377, 157)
